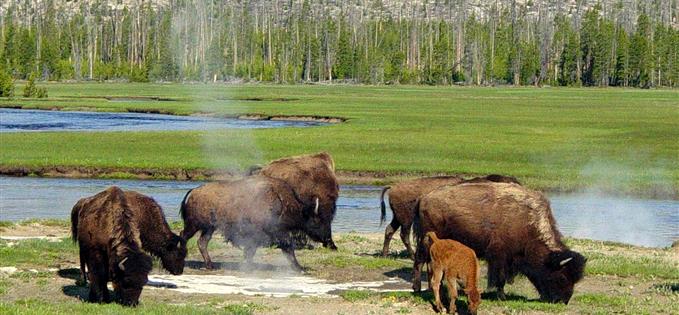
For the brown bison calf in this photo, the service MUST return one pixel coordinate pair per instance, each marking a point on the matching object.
(113, 229)
(458, 263)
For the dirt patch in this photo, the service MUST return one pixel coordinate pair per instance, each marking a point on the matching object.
(322, 119)
(33, 231)
(259, 99)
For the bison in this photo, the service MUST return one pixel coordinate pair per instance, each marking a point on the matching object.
(510, 226)
(109, 243)
(251, 212)
(403, 199)
(458, 263)
(312, 178)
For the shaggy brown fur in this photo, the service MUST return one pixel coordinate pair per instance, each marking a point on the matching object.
(251, 212)
(510, 226)
(156, 236)
(403, 200)
(458, 263)
(312, 177)
(110, 245)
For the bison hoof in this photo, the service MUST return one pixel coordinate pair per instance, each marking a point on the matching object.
(501, 296)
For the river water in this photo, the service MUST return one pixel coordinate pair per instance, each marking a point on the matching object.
(21, 120)
(644, 222)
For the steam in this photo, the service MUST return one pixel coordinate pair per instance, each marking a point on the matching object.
(607, 209)
(228, 152)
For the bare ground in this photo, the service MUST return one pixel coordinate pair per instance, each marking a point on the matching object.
(355, 262)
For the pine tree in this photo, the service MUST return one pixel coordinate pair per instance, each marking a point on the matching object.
(6, 83)
(641, 57)
(621, 77)
(30, 90)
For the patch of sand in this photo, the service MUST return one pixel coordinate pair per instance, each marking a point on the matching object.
(283, 286)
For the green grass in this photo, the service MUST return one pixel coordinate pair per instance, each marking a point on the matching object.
(624, 266)
(557, 138)
(35, 306)
(32, 253)
(356, 295)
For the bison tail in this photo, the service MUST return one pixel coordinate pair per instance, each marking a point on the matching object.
(75, 212)
(417, 225)
(383, 207)
(182, 207)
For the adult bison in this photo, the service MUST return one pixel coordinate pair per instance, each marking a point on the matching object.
(312, 178)
(112, 229)
(252, 212)
(403, 200)
(511, 227)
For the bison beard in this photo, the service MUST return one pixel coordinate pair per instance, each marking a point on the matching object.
(508, 225)
(252, 212)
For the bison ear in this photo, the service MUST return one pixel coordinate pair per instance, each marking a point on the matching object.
(121, 264)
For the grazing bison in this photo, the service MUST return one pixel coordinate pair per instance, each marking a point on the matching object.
(510, 226)
(110, 246)
(312, 177)
(113, 226)
(403, 199)
(458, 263)
(251, 212)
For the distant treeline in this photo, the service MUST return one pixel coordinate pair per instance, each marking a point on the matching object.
(302, 41)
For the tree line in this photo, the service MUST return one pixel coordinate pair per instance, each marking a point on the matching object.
(294, 41)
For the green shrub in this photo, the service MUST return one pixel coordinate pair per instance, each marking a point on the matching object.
(6, 84)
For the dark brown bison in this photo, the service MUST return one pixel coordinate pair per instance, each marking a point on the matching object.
(403, 199)
(510, 226)
(312, 177)
(251, 212)
(113, 228)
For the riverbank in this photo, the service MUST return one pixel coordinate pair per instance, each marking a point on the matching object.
(619, 279)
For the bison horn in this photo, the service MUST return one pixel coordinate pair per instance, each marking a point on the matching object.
(316, 208)
(565, 261)
(121, 264)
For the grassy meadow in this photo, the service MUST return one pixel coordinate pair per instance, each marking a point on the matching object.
(619, 279)
(622, 140)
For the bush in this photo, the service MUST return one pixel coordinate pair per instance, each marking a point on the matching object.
(30, 90)
(6, 84)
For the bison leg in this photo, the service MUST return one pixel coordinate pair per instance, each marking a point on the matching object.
(388, 234)
(497, 277)
(289, 252)
(204, 239)
(452, 293)
(189, 230)
(330, 244)
(421, 257)
(250, 253)
(98, 276)
(405, 237)
(83, 267)
(437, 275)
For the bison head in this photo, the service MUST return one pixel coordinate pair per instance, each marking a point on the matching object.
(561, 271)
(131, 274)
(173, 254)
(318, 225)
